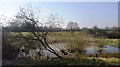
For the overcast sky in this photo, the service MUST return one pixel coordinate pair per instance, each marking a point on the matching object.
(86, 14)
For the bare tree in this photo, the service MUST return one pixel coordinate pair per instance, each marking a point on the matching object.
(72, 25)
(54, 21)
(28, 20)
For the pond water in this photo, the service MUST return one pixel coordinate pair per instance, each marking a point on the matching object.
(106, 49)
(111, 49)
(56, 47)
(43, 51)
(89, 49)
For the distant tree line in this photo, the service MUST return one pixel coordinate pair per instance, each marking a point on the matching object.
(111, 32)
(29, 29)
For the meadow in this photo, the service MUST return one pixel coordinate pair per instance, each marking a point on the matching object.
(75, 42)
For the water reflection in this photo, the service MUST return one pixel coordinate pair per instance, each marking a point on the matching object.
(89, 49)
(106, 49)
(57, 47)
(110, 49)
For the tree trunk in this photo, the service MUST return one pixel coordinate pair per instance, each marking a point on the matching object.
(46, 46)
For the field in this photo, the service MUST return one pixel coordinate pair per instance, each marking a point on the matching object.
(75, 42)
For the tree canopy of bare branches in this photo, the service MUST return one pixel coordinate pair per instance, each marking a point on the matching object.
(28, 20)
(72, 25)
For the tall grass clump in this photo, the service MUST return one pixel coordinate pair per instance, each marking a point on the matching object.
(104, 41)
(77, 42)
(73, 39)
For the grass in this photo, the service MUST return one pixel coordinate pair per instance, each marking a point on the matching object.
(111, 60)
(72, 39)
(80, 38)
(104, 41)
(76, 41)
(68, 61)
(58, 62)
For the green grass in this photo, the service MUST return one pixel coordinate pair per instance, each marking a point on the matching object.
(69, 37)
(72, 39)
(75, 41)
(59, 62)
(104, 41)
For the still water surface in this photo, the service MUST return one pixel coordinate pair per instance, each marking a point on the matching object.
(89, 49)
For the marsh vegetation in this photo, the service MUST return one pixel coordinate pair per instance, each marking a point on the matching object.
(28, 41)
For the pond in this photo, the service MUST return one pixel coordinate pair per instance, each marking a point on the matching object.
(111, 49)
(106, 49)
(89, 49)
(56, 47)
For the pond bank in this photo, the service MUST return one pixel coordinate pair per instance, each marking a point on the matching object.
(82, 61)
